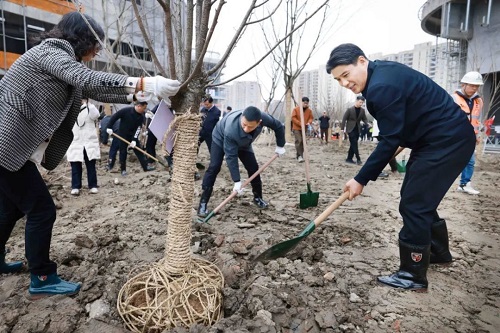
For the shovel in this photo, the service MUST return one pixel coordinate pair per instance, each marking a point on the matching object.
(234, 193)
(142, 151)
(310, 198)
(282, 248)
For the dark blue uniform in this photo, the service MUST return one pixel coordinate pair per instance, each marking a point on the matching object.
(413, 111)
(209, 117)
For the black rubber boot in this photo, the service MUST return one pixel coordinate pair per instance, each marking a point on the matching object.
(12, 267)
(257, 196)
(205, 196)
(412, 274)
(440, 251)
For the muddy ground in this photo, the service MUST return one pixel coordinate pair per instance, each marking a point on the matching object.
(326, 285)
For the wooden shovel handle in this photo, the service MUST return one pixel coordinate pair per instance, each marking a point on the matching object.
(304, 143)
(139, 149)
(331, 208)
(245, 183)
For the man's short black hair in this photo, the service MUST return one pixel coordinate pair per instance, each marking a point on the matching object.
(229, 108)
(252, 113)
(305, 99)
(208, 99)
(141, 103)
(344, 54)
(360, 98)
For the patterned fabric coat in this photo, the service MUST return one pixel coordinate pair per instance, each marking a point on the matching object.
(40, 99)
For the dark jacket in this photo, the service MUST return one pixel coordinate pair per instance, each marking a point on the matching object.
(40, 98)
(350, 121)
(130, 122)
(411, 111)
(324, 122)
(229, 135)
(209, 120)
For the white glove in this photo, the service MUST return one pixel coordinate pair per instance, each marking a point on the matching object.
(149, 114)
(161, 86)
(133, 144)
(109, 131)
(145, 133)
(280, 151)
(237, 188)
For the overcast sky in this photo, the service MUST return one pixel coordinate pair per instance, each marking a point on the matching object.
(386, 26)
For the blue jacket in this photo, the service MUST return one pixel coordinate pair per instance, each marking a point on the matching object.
(411, 111)
(229, 135)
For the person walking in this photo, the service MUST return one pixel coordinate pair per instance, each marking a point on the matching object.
(131, 120)
(297, 126)
(84, 148)
(351, 125)
(210, 115)
(471, 103)
(324, 125)
(412, 111)
(40, 104)
(232, 138)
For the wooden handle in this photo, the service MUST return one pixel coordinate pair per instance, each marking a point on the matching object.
(331, 208)
(139, 149)
(245, 183)
(304, 143)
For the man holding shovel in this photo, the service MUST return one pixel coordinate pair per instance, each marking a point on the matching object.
(233, 136)
(411, 111)
(131, 119)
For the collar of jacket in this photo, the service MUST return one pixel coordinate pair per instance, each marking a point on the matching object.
(60, 43)
(461, 93)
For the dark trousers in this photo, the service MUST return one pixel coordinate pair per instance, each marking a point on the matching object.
(151, 146)
(324, 131)
(113, 150)
(217, 157)
(208, 140)
(24, 193)
(353, 147)
(124, 154)
(430, 171)
(76, 172)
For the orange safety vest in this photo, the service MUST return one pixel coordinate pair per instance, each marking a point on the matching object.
(474, 115)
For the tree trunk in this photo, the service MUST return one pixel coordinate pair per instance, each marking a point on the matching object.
(288, 115)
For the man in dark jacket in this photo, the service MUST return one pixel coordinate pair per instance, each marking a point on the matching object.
(351, 124)
(412, 111)
(233, 137)
(210, 115)
(324, 125)
(131, 120)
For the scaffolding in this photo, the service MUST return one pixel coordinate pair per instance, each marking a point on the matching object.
(456, 55)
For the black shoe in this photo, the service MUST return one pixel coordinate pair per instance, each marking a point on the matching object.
(440, 252)
(150, 168)
(358, 162)
(383, 174)
(197, 176)
(203, 209)
(350, 161)
(260, 203)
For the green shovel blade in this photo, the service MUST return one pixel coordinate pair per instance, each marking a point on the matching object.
(283, 248)
(308, 199)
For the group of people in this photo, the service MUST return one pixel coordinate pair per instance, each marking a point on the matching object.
(410, 108)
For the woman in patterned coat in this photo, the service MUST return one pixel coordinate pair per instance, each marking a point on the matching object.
(40, 99)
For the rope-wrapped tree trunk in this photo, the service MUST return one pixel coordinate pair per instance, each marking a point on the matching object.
(180, 290)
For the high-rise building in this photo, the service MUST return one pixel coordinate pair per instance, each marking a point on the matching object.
(244, 93)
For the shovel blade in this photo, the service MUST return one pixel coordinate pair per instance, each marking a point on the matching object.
(308, 199)
(283, 248)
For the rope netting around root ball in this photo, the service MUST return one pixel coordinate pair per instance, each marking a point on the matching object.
(154, 300)
(180, 290)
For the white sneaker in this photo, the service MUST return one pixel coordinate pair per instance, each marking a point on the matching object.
(467, 188)
(75, 191)
(94, 190)
(300, 159)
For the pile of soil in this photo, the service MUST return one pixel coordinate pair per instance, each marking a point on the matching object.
(327, 284)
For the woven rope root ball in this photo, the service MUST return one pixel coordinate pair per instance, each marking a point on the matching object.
(153, 301)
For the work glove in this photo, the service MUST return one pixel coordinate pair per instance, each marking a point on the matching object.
(133, 144)
(145, 133)
(142, 96)
(280, 151)
(149, 114)
(237, 188)
(161, 86)
(109, 131)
